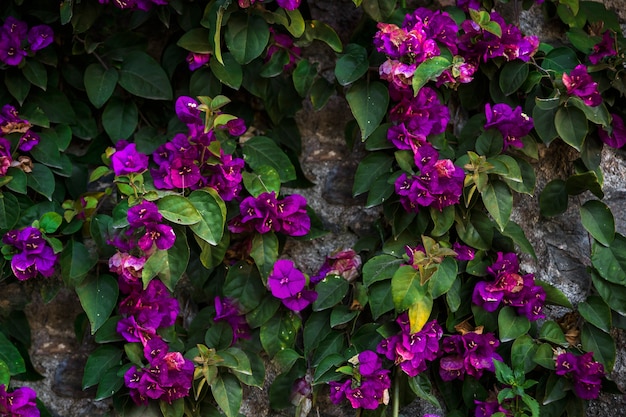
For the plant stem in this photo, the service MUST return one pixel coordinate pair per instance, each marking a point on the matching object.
(396, 397)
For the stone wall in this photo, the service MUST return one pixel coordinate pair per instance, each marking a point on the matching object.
(561, 243)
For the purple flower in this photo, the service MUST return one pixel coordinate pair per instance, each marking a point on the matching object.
(129, 269)
(288, 4)
(283, 42)
(285, 280)
(345, 263)
(513, 124)
(127, 160)
(471, 353)
(580, 84)
(489, 408)
(40, 36)
(28, 141)
(617, 138)
(586, 373)
(227, 310)
(33, 254)
(143, 214)
(161, 235)
(606, 47)
(19, 403)
(187, 110)
(184, 173)
(196, 60)
(463, 252)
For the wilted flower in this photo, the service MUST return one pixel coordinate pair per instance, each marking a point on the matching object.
(345, 263)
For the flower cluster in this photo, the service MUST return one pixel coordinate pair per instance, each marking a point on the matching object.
(168, 375)
(439, 183)
(16, 40)
(617, 137)
(146, 218)
(288, 283)
(586, 373)
(471, 353)
(345, 263)
(510, 288)
(513, 124)
(285, 4)
(580, 84)
(143, 5)
(127, 160)
(19, 403)
(606, 47)
(369, 385)
(412, 351)
(189, 162)
(226, 310)
(30, 253)
(267, 213)
(282, 42)
(489, 408)
(11, 122)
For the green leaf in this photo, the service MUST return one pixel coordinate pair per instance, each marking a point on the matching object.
(598, 220)
(613, 294)
(551, 332)
(120, 118)
(510, 325)
(443, 278)
(498, 200)
(597, 114)
(477, 231)
(600, 343)
(553, 199)
(179, 210)
(76, 261)
(264, 251)
(422, 387)
(244, 284)
(169, 265)
(303, 76)
(515, 232)
(316, 328)
(611, 261)
(35, 73)
(264, 179)
(368, 102)
(17, 84)
(544, 356)
(196, 40)
(380, 267)
(380, 191)
(11, 356)
(341, 314)
(98, 296)
(229, 72)
(379, 10)
(554, 296)
(246, 37)
(212, 211)
(596, 312)
(99, 362)
(560, 60)
(380, 299)
(571, 125)
(41, 180)
(5, 375)
(9, 211)
(228, 394)
(352, 64)
(408, 293)
(443, 220)
(428, 70)
(55, 105)
(109, 384)
(100, 83)
(108, 331)
(330, 291)
(489, 143)
(320, 92)
(261, 151)
(323, 371)
(317, 30)
(586, 181)
(513, 76)
(543, 120)
(522, 353)
(142, 76)
(370, 168)
(280, 333)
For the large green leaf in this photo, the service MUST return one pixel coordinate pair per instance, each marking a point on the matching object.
(35, 72)
(596, 312)
(100, 83)
(229, 72)
(318, 30)
(11, 356)
(98, 296)
(370, 168)
(212, 211)
(244, 284)
(513, 76)
(368, 102)
(41, 180)
(498, 200)
(408, 293)
(99, 362)
(352, 64)
(522, 353)
(142, 76)
(246, 37)
(280, 333)
(109, 384)
(330, 291)
(228, 393)
(9, 211)
(543, 120)
(264, 179)
(303, 76)
(196, 40)
(613, 294)
(179, 210)
(510, 325)
(441, 281)
(380, 299)
(378, 10)
(76, 261)
(571, 125)
(261, 151)
(380, 267)
(600, 343)
(598, 220)
(264, 251)
(120, 118)
(611, 261)
(553, 198)
(169, 265)
(428, 70)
